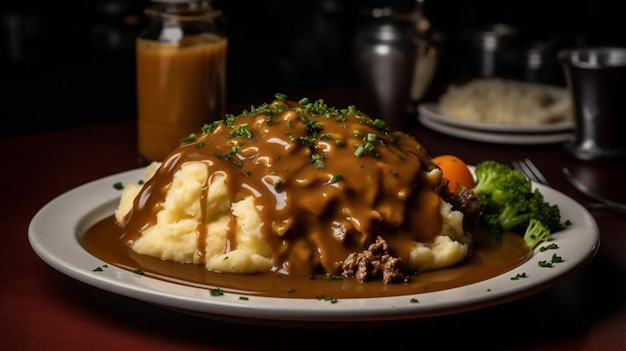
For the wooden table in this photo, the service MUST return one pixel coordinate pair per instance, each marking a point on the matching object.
(42, 309)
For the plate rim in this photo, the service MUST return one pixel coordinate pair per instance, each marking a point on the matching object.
(497, 138)
(55, 230)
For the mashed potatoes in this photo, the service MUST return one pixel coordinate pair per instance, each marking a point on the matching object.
(174, 235)
(293, 188)
(505, 102)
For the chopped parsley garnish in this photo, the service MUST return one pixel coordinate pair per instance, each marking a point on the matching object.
(264, 108)
(188, 138)
(519, 275)
(363, 148)
(324, 298)
(318, 161)
(557, 259)
(210, 127)
(313, 127)
(229, 155)
(230, 120)
(554, 259)
(100, 269)
(278, 184)
(242, 131)
(118, 186)
(216, 292)
(379, 124)
(549, 247)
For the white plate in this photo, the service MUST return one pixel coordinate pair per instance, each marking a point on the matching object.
(55, 235)
(499, 138)
(431, 111)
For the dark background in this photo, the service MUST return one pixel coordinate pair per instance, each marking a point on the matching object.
(73, 62)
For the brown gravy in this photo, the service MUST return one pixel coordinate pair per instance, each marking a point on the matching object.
(180, 86)
(287, 155)
(488, 260)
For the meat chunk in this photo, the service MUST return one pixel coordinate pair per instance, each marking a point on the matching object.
(466, 201)
(373, 264)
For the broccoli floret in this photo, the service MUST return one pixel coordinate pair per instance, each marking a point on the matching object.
(536, 233)
(509, 203)
(549, 215)
(502, 192)
(499, 182)
(514, 214)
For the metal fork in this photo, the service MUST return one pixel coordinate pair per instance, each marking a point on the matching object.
(528, 168)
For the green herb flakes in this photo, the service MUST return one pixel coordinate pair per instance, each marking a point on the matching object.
(549, 247)
(278, 184)
(216, 292)
(189, 138)
(318, 161)
(337, 177)
(555, 259)
(519, 275)
(242, 131)
(324, 298)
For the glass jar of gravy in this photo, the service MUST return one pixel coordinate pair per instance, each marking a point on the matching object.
(181, 75)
